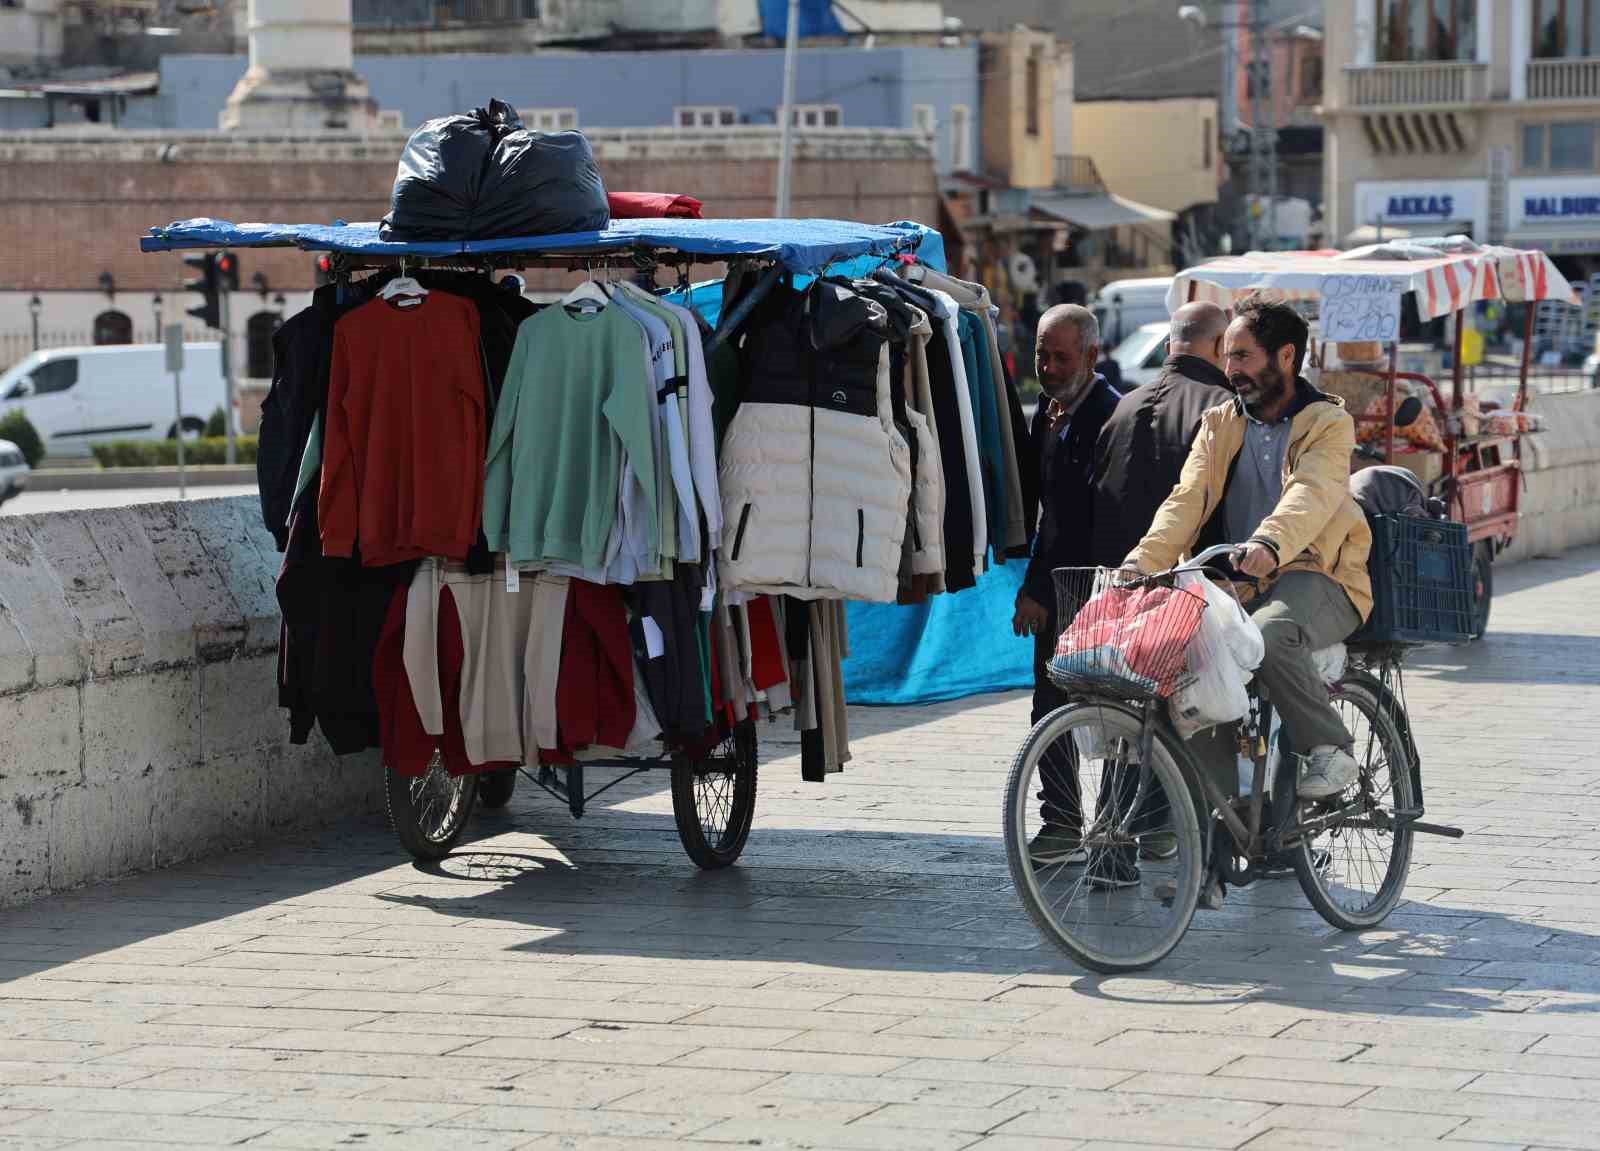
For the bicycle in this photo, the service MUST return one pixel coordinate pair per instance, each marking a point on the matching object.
(1114, 745)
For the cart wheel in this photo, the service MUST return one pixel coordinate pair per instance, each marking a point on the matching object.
(495, 788)
(1482, 586)
(714, 799)
(429, 811)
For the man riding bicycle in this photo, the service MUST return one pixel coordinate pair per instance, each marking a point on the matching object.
(1269, 471)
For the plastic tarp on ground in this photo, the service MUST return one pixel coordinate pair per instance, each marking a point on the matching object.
(800, 245)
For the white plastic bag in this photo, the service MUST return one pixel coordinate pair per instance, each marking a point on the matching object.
(1227, 648)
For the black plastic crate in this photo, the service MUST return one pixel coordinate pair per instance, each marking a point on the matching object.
(1421, 582)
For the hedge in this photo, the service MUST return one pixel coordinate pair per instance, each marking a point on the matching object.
(164, 453)
(14, 426)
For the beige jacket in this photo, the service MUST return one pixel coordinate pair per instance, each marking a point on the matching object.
(1316, 526)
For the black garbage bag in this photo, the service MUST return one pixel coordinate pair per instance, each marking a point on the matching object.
(483, 175)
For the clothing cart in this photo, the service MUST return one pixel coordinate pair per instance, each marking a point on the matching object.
(714, 784)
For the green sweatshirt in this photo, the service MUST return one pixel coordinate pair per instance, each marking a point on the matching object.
(577, 396)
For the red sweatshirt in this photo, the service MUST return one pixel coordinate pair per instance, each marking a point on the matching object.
(402, 452)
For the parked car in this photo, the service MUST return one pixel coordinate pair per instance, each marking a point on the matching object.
(1141, 355)
(1124, 306)
(77, 397)
(14, 471)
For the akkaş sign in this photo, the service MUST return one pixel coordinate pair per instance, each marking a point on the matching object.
(1422, 206)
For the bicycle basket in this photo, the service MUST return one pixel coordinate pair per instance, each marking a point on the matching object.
(1120, 637)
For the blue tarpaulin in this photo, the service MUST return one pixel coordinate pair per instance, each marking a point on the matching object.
(817, 18)
(799, 245)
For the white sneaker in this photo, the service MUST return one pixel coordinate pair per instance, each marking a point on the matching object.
(1328, 771)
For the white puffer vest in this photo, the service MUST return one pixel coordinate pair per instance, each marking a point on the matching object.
(815, 477)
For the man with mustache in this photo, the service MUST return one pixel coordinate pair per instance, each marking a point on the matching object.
(1269, 471)
(1072, 411)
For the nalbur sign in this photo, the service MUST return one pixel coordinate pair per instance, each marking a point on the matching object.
(1561, 206)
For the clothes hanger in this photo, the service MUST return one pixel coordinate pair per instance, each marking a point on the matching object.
(587, 296)
(402, 285)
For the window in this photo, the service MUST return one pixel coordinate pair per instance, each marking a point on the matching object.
(389, 120)
(53, 376)
(816, 116)
(1560, 146)
(1421, 30)
(1031, 93)
(1205, 142)
(960, 138)
(1311, 77)
(924, 121)
(1572, 146)
(1533, 145)
(549, 119)
(113, 327)
(1566, 28)
(705, 116)
(258, 332)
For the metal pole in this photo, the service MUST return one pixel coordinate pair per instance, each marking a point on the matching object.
(227, 374)
(177, 395)
(791, 42)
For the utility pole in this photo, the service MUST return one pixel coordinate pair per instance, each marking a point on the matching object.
(791, 44)
(1263, 132)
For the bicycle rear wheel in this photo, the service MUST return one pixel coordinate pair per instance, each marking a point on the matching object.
(1364, 855)
(1088, 888)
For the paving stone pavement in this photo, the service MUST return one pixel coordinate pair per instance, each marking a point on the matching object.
(863, 979)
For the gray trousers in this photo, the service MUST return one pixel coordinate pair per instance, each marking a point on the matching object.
(1303, 613)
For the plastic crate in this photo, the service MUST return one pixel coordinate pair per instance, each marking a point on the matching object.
(1422, 582)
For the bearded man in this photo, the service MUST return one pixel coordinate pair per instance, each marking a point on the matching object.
(1269, 471)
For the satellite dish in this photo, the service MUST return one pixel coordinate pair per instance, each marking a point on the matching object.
(1024, 275)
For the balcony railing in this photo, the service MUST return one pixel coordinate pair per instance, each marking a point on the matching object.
(1567, 79)
(1078, 172)
(1410, 85)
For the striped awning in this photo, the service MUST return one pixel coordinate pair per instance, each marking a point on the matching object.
(1443, 274)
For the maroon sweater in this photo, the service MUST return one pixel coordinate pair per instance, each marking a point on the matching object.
(402, 453)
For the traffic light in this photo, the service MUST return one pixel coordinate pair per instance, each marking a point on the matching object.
(324, 270)
(208, 283)
(228, 271)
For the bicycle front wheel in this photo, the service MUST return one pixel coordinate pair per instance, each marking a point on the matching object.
(1104, 849)
(1353, 867)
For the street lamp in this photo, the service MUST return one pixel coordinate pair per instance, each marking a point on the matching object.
(35, 306)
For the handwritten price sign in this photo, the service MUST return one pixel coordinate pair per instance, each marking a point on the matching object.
(1359, 308)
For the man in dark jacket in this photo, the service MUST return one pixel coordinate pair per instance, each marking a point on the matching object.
(1144, 444)
(1073, 409)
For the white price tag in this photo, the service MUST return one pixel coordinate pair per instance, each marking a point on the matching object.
(655, 644)
(513, 579)
(1360, 308)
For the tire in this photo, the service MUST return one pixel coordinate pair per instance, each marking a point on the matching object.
(714, 800)
(1385, 772)
(429, 832)
(1171, 887)
(193, 428)
(495, 788)
(1482, 586)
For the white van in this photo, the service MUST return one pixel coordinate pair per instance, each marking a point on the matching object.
(1125, 306)
(75, 397)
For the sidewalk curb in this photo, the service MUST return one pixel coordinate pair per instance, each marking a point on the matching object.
(109, 479)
